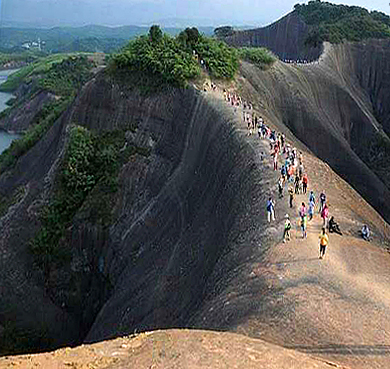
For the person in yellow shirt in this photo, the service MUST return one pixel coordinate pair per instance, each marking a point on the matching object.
(324, 241)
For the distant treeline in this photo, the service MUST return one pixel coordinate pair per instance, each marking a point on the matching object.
(336, 23)
(77, 39)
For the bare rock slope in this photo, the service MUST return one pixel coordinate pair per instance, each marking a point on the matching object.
(337, 107)
(286, 38)
(189, 245)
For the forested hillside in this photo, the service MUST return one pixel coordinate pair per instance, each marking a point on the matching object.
(335, 23)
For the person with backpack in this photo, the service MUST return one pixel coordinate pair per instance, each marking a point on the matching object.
(324, 241)
(270, 210)
(287, 229)
(324, 215)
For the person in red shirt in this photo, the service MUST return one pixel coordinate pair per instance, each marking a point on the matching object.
(304, 183)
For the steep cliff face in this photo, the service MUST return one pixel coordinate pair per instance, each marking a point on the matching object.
(286, 38)
(20, 119)
(173, 215)
(177, 210)
(334, 107)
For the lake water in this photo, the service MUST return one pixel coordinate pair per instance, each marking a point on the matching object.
(5, 138)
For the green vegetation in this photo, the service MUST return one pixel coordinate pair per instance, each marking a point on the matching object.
(259, 56)
(221, 60)
(42, 122)
(89, 172)
(222, 32)
(171, 61)
(66, 77)
(27, 73)
(62, 77)
(336, 23)
(18, 57)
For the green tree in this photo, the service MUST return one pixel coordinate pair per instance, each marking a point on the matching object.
(155, 34)
(222, 32)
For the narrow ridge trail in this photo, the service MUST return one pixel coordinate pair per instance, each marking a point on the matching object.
(337, 308)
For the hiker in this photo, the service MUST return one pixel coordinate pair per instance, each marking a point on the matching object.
(302, 210)
(283, 172)
(312, 197)
(322, 201)
(304, 183)
(366, 233)
(291, 193)
(334, 227)
(270, 210)
(300, 171)
(324, 240)
(312, 205)
(280, 187)
(287, 229)
(303, 216)
(290, 173)
(297, 184)
(304, 226)
(324, 215)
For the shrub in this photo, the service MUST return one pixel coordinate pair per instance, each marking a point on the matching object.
(171, 61)
(66, 77)
(89, 172)
(221, 60)
(259, 56)
(165, 60)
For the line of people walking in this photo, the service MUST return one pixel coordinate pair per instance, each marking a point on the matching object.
(293, 176)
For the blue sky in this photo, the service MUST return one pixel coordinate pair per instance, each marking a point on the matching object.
(120, 12)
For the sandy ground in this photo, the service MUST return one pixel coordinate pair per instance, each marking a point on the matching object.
(172, 349)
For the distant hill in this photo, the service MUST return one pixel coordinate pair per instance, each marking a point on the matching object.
(91, 38)
(336, 23)
(299, 35)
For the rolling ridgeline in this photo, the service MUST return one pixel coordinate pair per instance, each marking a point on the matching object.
(127, 195)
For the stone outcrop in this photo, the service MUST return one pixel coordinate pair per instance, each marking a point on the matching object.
(285, 38)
